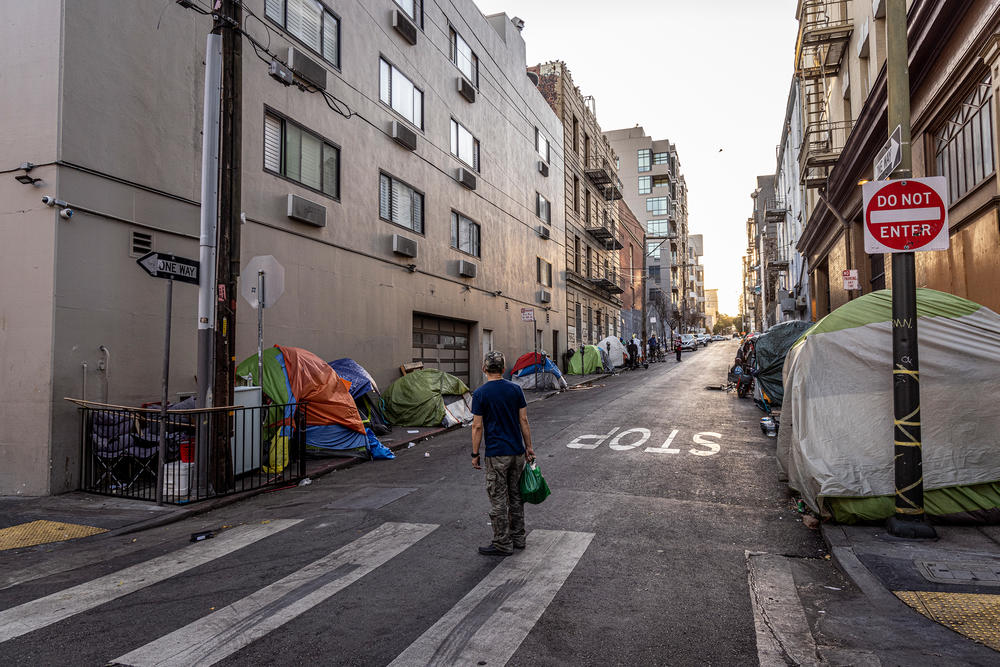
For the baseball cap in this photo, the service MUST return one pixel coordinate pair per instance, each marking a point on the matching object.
(494, 362)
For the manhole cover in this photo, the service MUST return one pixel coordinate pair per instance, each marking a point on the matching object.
(978, 573)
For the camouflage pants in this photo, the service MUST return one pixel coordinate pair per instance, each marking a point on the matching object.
(503, 486)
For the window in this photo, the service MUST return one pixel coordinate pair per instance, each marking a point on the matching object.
(660, 181)
(576, 194)
(576, 254)
(411, 7)
(586, 208)
(658, 205)
(645, 185)
(463, 57)
(543, 272)
(464, 234)
(399, 93)
(576, 132)
(310, 23)
(654, 272)
(541, 145)
(661, 158)
(586, 148)
(400, 204)
(464, 146)
(653, 249)
(965, 143)
(658, 228)
(300, 155)
(590, 262)
(542, 208)
(645, 157)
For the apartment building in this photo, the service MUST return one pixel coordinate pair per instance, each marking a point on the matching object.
(840, 62)
(630, 261)
(410, 181)
(696, 280)
(711, 308)
(594, 284)
(654, 187)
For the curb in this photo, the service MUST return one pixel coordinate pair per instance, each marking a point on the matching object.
(843, 556)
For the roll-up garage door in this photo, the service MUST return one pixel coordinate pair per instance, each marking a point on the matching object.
(442, 343)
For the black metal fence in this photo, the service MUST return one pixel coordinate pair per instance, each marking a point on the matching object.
(210, 452)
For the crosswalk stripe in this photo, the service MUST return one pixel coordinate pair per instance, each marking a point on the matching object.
(50, 609)
(491, 621)
(222, 633)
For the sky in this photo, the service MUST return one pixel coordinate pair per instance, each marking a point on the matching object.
(705, 74)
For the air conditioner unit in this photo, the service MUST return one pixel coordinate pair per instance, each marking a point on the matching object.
(466, 89)
(306, 68)
(544, 296)
(404, 136)
(801, 301)
(404, 246)
(788, 305)
(543, 168)
(544, 231)
(466, 269)
(309, 212)
(466, 178)
(404, 26)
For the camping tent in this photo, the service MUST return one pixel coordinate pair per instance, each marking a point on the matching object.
(590, 361)
(616, 351)
(836, 437)
(771, 349)
(544, 375)
(292, 376)
(428, 397)
(365, 393)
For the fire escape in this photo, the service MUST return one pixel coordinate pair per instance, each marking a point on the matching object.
(824, 33)
(775, 258)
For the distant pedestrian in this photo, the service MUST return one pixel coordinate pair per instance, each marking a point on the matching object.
(500, 418)
(677, 348)
(633, 354)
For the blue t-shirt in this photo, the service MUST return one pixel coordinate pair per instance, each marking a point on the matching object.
(499, 403)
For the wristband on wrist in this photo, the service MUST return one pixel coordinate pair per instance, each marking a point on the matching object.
(475, 454)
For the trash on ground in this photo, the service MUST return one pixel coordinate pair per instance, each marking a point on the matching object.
(833, 588)
(202, 535)
(427, 455)
(412, 444)
(413, 431)
(305, 482)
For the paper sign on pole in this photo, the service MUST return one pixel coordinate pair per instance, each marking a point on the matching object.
(851, 279)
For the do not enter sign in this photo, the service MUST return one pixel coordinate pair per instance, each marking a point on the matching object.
(906, 215)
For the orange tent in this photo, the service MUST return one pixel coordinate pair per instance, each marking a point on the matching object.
(328, 395)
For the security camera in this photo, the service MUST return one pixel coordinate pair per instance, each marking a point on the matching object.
(66, 213)
(49, 201)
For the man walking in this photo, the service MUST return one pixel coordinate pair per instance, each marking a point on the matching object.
(500, 413)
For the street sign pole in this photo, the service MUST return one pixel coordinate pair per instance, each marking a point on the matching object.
(260, 328)
(162, 440)
(909, 520)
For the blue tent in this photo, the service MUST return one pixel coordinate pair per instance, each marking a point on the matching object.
(365, 393)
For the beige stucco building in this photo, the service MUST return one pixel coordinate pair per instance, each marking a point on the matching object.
(397, 260)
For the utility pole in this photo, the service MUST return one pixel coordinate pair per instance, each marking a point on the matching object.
(909, 519)
(228, 21)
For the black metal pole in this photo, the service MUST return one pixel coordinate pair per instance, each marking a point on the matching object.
(909, 519)
(161, 458)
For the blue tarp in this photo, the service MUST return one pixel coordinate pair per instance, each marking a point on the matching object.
(361, 380)
(547, 367)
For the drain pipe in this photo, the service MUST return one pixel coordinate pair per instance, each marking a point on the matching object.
(104, 365)
(83, 391)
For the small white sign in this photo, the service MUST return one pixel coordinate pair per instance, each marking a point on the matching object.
(527, 314)
(274, 280)
(851, 279)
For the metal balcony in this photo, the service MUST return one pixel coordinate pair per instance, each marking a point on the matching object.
(774, 210)
(602, 174)
(610, 284)
(824, 33)
(822, 143)
(605, 232)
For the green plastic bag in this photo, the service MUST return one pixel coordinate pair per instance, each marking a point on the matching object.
(533, 487)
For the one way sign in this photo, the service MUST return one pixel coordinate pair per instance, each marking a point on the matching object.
(169, 267)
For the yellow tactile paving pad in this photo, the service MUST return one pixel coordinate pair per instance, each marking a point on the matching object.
(973, 615)
(43, 532)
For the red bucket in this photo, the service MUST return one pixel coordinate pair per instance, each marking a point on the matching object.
(187, 451)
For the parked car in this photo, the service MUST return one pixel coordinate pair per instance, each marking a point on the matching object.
(689, 342)
(702, 339)
(718, 337)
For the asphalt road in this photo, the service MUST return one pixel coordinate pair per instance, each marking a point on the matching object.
(662, 494)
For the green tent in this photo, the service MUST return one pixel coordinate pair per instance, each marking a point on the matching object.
(836, 437)
(417, 398)
(590, 361)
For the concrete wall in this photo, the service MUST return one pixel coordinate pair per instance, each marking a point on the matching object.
(30, 44)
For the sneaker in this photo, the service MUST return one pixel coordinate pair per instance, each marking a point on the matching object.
(518, 546)
(492, 550)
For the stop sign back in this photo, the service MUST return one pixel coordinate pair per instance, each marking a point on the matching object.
(906, 215)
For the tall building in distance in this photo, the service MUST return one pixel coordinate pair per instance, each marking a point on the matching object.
(655, 189)
(411, 184)
(594, 283)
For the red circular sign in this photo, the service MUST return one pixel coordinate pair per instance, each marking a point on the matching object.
(905, 215)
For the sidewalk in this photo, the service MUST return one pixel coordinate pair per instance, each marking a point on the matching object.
(953, 580)
(32, 521)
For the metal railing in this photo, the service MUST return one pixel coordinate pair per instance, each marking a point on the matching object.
(209, 452)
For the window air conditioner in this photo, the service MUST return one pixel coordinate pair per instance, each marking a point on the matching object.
(543, 168)
(306, 68)
(466, 178)
(404, 26)
(544, 296)
(404, 136)
(466, 89)
(544, 231)
(466, 269)
(309, 212)
(404, 246)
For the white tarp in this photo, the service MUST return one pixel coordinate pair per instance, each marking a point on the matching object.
(616, 351)
(836, 435)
